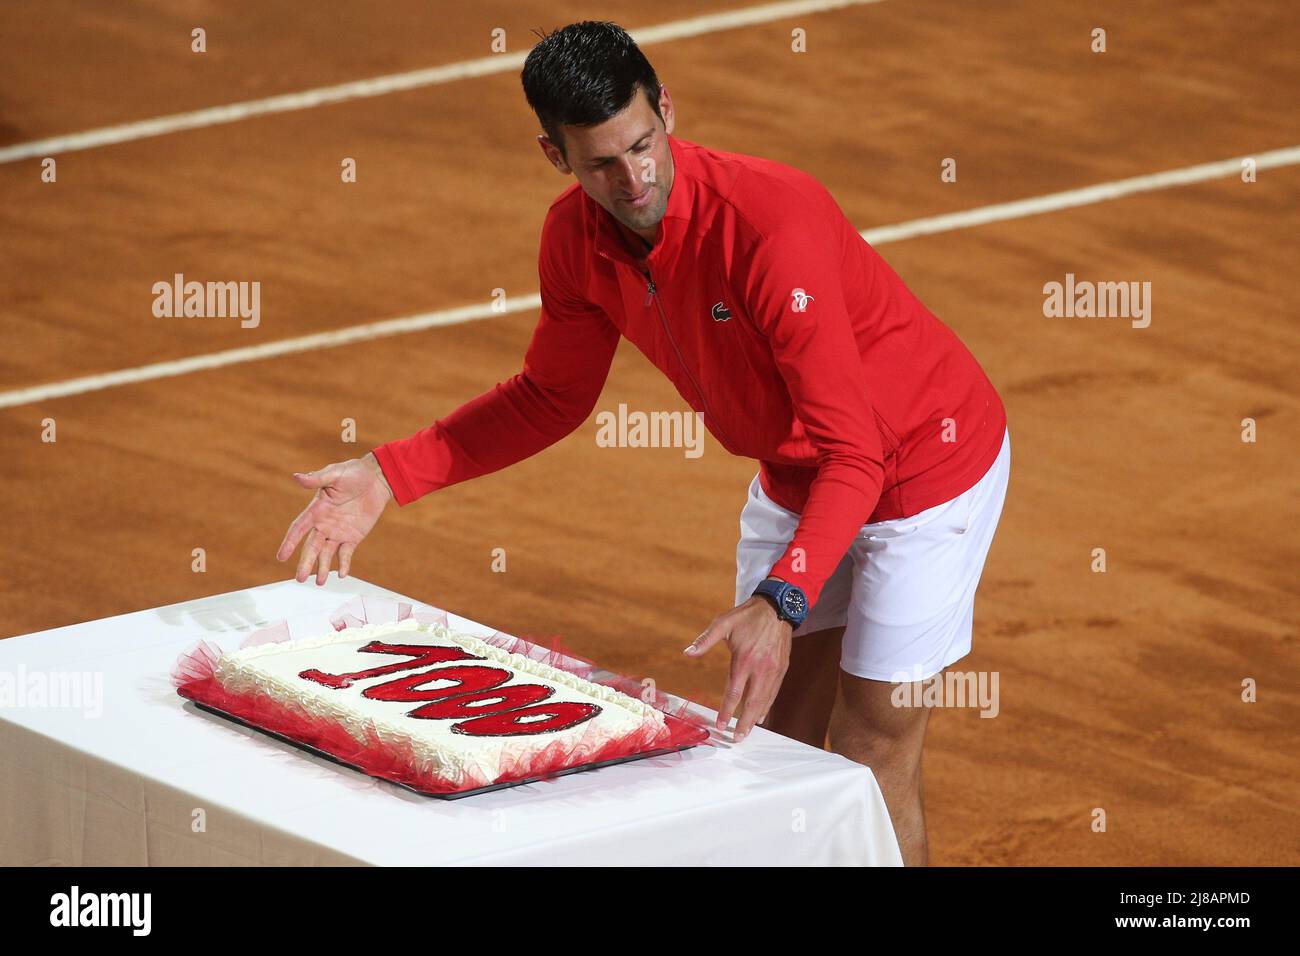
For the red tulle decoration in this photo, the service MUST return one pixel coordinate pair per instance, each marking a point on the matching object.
(195, 678)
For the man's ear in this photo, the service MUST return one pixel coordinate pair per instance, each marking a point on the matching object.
(666, 109)
(553, 154)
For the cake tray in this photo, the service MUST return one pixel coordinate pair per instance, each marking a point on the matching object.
(699, 738)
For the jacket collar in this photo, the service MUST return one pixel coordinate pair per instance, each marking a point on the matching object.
(615, 240)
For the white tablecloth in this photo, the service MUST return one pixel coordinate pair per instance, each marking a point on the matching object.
(135, 775)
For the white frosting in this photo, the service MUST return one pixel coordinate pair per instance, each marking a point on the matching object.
(273, 670)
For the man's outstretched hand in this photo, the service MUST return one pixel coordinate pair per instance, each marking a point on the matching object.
(760, 654)
(350, 497)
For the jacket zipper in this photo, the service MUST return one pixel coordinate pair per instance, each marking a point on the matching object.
(650, 295)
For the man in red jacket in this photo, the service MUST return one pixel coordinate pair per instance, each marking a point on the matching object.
(882, 447)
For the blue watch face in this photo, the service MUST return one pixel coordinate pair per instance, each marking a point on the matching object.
(794, 603)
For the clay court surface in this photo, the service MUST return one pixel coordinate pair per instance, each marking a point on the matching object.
(1119, 690)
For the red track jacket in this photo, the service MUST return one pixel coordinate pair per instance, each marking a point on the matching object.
(776, 320)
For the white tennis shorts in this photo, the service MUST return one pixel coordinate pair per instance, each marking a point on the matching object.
(904, 591)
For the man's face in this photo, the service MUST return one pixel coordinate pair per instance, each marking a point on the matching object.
(624, 163)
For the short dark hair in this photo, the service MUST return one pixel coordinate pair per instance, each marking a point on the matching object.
(585, 73)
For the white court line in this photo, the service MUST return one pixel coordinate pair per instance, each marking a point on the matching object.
(1084, 196)
(417, 323)
(399, 82)
(253, 353)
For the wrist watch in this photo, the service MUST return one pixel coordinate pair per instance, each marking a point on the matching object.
(789, 601)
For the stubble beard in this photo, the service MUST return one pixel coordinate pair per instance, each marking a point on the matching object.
(646, 218)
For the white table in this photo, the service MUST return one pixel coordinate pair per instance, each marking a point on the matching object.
(143, 777)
